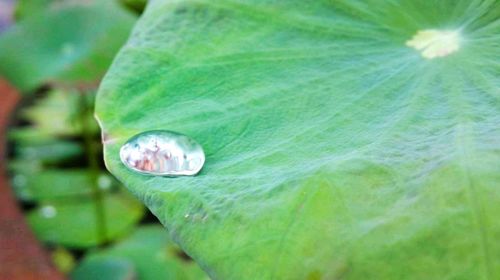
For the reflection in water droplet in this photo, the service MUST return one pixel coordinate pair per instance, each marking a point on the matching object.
(48, 211)
(163, 153)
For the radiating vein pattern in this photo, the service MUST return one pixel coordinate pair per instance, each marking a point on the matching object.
(334, 150)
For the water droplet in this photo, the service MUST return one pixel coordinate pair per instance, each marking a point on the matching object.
(104, 182)
(163, 153)
(48, 211)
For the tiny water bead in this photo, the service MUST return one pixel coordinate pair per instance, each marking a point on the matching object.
(162, 153)
(48, 211)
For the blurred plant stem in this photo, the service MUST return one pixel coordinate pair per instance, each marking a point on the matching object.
(86, 111)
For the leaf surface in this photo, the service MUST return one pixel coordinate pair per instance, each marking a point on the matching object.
(152, 255)
(68, 42)
(335, 148)
(107, 269)
(72, 222)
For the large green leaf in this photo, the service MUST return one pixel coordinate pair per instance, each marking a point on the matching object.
(66, 41)
(339, 144)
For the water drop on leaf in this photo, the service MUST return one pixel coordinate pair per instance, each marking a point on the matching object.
(48, 211)
(104, 182)
(162, 153)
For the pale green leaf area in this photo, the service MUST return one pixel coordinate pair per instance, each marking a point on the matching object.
(29, 8)
(63, 43)
(52, 184)
(72, 222)
(58, 114)
(58, 184)
(28, 135)
(152, 255)
(340, 144)
(107, 269)
(50, 152)
(63, 259)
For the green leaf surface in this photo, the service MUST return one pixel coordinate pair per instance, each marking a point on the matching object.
(57, 114)
(107, 269)
(52, 184)
(28, 135)
(50, 152)
(72, 223)
(63, 259)
(336, 149)
(153, 255)
(63, 43)
(59, 184)
(30, 8)
(27, 8)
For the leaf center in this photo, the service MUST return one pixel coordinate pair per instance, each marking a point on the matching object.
(432, 43)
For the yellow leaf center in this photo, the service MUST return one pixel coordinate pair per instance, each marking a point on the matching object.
(432, 43)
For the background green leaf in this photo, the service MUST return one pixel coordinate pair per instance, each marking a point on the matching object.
(27, 8)
(59, 184)
(72, 223)
(63, 41)
(53, 184)
(63, 259)
(333, 149)
(52, 151)
(55, 115)
(152, 255)
(136, 5)
(107, 269)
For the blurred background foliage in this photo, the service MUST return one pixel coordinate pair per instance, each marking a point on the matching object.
(55, 52)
